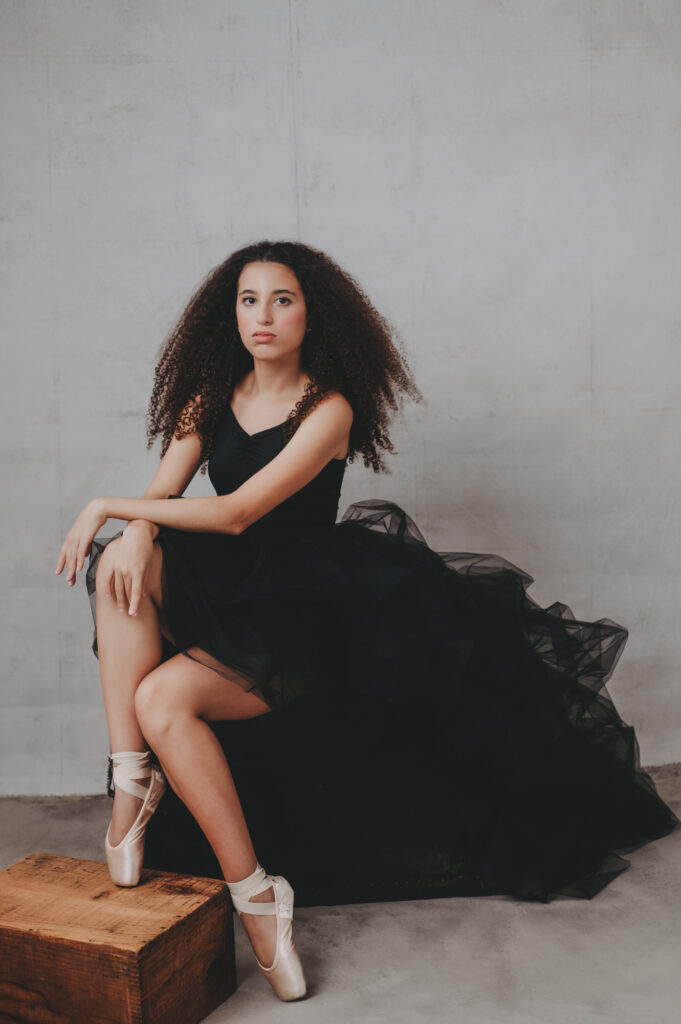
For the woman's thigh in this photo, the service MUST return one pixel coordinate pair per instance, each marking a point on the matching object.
(187, 684)
(155, 589)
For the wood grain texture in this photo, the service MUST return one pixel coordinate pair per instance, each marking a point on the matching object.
(76, 948)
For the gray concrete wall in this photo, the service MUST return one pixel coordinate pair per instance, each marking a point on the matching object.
(503, 180)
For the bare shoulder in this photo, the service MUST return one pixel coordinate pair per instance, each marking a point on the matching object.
(332, 416)
(336, 405)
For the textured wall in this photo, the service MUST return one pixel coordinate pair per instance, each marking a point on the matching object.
(503, 180)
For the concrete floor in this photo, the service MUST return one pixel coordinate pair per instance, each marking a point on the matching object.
(483, 960)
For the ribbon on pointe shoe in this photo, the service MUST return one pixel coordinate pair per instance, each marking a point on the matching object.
(129, 765)
(252, 885)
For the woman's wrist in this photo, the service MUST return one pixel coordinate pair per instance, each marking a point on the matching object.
(145, 524)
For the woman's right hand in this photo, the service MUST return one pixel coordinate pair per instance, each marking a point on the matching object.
(127, 578)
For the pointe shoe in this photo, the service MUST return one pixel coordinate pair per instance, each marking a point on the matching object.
(125, 858)
(285, 974)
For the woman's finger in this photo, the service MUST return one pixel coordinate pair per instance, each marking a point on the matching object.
(135, 592)
(119, 585)
(70, 564)
(80, 556)
(60, 561)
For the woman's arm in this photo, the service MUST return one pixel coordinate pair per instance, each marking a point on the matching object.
(200, 515)
(176, 469)
(174, 474)
(317, 439)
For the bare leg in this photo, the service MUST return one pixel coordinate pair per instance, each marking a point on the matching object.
(129, 647)
(174, 703)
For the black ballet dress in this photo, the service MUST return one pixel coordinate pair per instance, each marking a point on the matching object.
(503, 700)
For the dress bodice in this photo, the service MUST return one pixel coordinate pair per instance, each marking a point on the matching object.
(237, 455)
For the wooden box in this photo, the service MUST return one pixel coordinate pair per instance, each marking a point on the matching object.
(77, 949)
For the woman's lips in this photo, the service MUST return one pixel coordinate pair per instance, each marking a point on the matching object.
(264, 336)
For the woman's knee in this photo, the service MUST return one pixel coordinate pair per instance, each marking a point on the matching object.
(108, 562)
(150, 707)
(105, 565)
(159, 705)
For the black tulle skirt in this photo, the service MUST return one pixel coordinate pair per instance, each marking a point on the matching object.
(502, 701)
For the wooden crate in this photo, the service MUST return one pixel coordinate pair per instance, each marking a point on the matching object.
(76, 948)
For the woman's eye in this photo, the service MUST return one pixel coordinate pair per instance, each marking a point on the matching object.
(283, 298)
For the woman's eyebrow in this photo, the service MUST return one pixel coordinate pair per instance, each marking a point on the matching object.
(277, 291)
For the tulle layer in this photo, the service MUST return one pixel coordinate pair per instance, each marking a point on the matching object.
(504, 699)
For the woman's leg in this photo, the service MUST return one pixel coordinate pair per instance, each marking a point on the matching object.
(129, 647)
(174, 704)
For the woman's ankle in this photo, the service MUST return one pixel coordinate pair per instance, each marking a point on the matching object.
(125, 809)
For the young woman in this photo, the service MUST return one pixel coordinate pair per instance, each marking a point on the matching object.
(279, 372)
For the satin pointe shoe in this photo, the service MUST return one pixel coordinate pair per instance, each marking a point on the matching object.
(285, 974)
(125, 859)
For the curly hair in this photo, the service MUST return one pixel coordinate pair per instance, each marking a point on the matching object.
(350, 348)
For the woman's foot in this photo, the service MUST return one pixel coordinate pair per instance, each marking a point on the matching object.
(274, 949)
(262, 931)
(125, 855)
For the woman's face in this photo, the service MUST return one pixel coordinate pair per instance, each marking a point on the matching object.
(270, 310)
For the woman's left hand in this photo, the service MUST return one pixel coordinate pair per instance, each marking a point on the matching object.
(79, 539)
